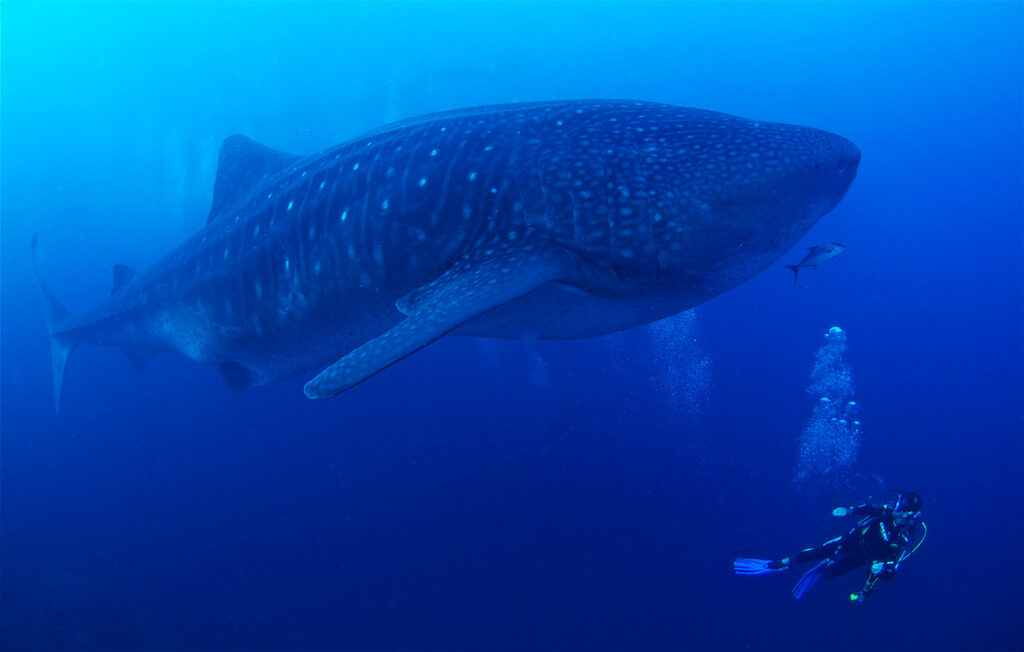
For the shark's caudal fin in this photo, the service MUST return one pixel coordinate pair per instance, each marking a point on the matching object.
(796, 271)
(56, 314)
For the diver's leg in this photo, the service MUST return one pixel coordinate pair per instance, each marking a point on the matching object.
(843, 563)
(818, 553)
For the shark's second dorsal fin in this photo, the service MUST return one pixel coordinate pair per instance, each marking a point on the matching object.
(243, 163)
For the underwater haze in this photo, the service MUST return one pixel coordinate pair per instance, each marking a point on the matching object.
(519, 494)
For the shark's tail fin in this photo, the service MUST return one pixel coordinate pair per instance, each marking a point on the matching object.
(796, 271)
(56, 315)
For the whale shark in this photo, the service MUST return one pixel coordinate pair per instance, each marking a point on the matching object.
(549, 220)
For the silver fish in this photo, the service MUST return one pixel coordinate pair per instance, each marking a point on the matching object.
(817, 255)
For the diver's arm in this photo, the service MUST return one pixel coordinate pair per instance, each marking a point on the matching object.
(879, 571)
(867, 509)
(857, 510)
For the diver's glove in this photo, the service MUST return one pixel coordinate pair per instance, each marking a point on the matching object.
(840, 511)
(857, 597)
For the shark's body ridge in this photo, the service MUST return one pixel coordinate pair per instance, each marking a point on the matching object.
(550, 220)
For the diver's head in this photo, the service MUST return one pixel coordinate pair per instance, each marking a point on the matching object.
(907, 508)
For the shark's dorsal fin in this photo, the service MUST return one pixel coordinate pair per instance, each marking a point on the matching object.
(123, 274)
(243, 163)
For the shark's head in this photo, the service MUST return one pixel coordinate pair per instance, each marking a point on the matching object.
(795, 175)
(748, 190)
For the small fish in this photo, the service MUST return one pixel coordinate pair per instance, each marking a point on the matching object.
(817, 255)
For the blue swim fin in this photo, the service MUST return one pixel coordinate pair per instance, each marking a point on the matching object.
(749, 566)
(809, 579)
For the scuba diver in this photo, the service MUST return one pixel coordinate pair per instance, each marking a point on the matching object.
(881, 540)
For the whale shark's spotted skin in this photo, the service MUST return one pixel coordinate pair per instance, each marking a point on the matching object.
(550, 220)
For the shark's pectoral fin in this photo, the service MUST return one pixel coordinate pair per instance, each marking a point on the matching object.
(468, 289)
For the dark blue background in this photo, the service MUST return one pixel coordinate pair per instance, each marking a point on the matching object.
(513, 494)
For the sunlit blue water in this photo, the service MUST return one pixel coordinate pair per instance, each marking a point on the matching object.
(492, 494)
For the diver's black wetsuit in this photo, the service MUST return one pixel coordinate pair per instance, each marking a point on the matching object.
(875, 538)
(881, 540)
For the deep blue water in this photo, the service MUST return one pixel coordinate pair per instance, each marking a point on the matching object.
(493, 494)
